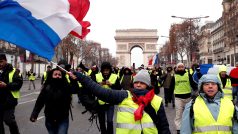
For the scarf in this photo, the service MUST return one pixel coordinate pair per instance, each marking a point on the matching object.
(142, 101)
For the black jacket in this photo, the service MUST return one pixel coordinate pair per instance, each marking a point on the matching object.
(117, 96)
(57, 100)
(6, 98)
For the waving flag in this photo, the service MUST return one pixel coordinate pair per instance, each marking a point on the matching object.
(155, 59)
(36, 25)
(79, 9)
(211, 69)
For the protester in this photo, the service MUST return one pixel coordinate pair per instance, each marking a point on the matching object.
(31, 78)
(43, 79)
(126, 79)
(10, 84)
(154, 81)
(90, 72)
(234, 82)
(108, 80)
(138, 108)
(181, 83)
(210, 112)
(168, 92)
(225, 82)
(56, 97)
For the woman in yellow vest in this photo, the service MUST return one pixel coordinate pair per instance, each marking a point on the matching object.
(210, 112)
(139, 109)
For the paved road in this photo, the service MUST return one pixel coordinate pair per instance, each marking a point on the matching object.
(79, 125)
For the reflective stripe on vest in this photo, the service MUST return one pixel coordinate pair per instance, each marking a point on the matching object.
(112, 79)
(182, 84)
(126, 123)
(135, 126)
(227, 90)
(204, 121)
(15, 94)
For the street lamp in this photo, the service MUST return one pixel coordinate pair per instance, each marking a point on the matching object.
(190, 20)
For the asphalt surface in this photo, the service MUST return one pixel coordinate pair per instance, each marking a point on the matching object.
(80, 123)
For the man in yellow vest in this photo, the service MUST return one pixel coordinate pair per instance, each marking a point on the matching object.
(108, 80)
(91, 72)
(182, 83)
(44, 77)
(210, 112)
(31, 78)
(225, 82)
(140, 110)
(10, 84)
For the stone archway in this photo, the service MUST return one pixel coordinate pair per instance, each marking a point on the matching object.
(127, 39)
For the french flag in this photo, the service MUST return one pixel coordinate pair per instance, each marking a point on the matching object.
(153, 60)
(37, 25)
(211, 69)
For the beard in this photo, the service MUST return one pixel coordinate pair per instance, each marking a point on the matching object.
(57, 82)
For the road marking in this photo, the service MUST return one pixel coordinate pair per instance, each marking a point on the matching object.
(30, 94)
(39, 118)
(26, 102)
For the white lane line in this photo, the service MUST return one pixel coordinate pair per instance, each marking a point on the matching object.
(30, 94)
(41, 117)
(26, 102)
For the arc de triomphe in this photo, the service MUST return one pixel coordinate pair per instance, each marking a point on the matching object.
(127, 39)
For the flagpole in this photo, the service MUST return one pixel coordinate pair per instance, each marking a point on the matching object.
(59, 66)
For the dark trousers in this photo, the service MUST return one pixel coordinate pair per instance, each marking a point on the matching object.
(109, 111)
(168, 96)
(8, 117)
(59, 127)
(33, 83)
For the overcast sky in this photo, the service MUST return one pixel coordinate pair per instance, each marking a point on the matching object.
(108, 15)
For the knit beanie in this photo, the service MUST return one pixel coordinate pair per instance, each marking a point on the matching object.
(179, 64)
(143, 76)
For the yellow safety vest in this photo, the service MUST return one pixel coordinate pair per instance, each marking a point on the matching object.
(182, 84)
(15, 94)
(45, 76)
(67, 77)
(32, 77)
(112, 79)
(125, 122)
(204, 122)
(89, 72)
(227, 90)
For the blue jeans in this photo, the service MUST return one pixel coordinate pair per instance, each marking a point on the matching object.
(58, 127)
(235, 93)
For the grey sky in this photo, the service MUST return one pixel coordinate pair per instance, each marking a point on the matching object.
(108, 15)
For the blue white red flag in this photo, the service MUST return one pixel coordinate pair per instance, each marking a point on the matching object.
(211, 69)
(36, 25)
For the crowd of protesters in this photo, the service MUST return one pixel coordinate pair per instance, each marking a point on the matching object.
(203, 106)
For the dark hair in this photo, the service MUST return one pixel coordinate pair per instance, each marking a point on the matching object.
(49, 76)
(3, 56)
